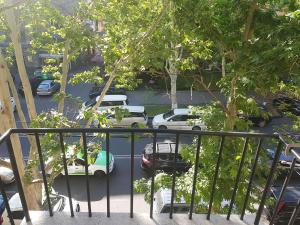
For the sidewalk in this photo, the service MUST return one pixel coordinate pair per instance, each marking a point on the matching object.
(148, 97)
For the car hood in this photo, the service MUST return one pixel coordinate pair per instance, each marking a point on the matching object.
(158, 119)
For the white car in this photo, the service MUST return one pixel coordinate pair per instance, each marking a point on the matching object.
(13, 104)
(135, 117)
(108, 102)
(7, 175)
(178, 119)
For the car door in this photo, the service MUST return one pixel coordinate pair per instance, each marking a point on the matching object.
(175, 122)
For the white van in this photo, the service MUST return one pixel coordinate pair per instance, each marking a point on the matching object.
(136, 117)
(109, 101)
(162, 202)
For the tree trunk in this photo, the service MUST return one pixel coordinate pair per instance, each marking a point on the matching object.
(64, 77)
(7, 121)
(223, 64)
(231, 107)
(173, 91)
(15, 38)
(249, 21)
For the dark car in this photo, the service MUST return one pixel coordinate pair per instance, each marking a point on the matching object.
(38, 73)
(34, 83)
(96, 91)
(164, 158)
(260, 120)
(284, 161)
(287, 104)
(2, 208)
(286, 205)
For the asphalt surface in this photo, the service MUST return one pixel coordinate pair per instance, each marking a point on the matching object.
(119, 146)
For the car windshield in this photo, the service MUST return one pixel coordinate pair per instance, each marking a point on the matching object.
(168, 114)
(90, 102)
(43, 86)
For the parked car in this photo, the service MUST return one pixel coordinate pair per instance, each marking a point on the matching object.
(13, 104)
(47, 87)
(96, 161)
(34, 83)
(2, 208)
(287, 104)
(38, 73)
(7, 175)
(285, 161)
(286, 205)
(134, 116)
(162, 202)
(178, 119)
(96, 91)
(59, 203)
(164, 157)
(260, 120)
(109, 101)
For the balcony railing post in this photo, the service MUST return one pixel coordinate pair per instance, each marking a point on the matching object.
(131, 174)
(195, 177)
(268, 182)
(37, 140)
(87, 173)
(251, 178)
(174, 175)
(61, 139)
(153, 175)
(107, 175)
(17, 179)
(295, 214)
(238, 177)
(285, 184)
(11, 220)
(215, 177)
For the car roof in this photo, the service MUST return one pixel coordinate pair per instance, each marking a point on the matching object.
(292, 193)
(162, 147)
(46, 82)
(182, 111)
(113, 98)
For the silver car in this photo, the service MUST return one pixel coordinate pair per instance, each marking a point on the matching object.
(47, 87)
(7, 175)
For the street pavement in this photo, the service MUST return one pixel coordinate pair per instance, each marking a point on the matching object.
(120, 147)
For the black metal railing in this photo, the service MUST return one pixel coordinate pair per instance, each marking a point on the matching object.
(260, 137)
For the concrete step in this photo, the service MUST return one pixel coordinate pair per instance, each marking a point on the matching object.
(63, 218)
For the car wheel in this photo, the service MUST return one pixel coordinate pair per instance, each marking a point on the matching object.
(262, 123)
(99, 173)
(135, 125)
(162, 127)
(196, 128)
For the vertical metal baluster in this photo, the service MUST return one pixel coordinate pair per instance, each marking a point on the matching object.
(131, 174)
(11, 220)
(107, 176)
(285, 184)
(251, 177)
(215, 177)
(153, 175)
(17, 179)
(238, 177)
(87, 173)
(61, 139)
(37, 140)
(195, 177)
(174, 176)
(268, 182)
(295, 214)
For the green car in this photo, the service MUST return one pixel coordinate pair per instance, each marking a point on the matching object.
(96, 161)
(43, 75)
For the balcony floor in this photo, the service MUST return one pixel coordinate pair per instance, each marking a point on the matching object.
(43, 218)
